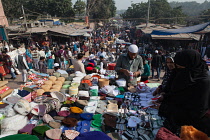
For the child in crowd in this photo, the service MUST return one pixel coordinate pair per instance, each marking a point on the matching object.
(146, 74)
(42, 65)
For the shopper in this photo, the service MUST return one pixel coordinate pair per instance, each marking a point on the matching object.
(156, 64)
(62, 55)
(102, 53)
(35, 58)
(146, 74)
(187, 102)
(28, 56)
(167, 78)
(78, 65)
(22, 65)
(8, 63)
(42, 65)
(103, 63)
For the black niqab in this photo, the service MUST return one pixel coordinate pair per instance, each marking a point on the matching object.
(195, 69)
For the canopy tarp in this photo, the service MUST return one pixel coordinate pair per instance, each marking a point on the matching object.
(190, 29)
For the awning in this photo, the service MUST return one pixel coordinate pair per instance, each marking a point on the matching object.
(77, 34)
(190, 29)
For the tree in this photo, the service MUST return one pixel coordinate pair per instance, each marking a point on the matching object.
(179, 16)
(60, 8)
(160, 12)
(205, 15)
(79, 7)
(101, 9)
(12, 8)
(192, 8)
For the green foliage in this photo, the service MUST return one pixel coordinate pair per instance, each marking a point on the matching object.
(60, 8)
(79, 7)
(160, 12)
(101, 9)
(205, 15)
(191, 8)
(12, 8)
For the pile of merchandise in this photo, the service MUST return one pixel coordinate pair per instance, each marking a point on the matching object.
(80, 107)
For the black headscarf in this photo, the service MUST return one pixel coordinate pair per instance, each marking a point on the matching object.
(195, 69)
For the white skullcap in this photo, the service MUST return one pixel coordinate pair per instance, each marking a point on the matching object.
(156, 51)
(56, 65)
(91, 56)
(133, 48)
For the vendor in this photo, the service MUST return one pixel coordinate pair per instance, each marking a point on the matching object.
(58, 69)
(130, 62)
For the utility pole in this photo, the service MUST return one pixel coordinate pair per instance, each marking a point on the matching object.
(25, 21)
(148, 11)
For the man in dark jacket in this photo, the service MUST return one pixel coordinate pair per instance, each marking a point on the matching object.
(156, 64)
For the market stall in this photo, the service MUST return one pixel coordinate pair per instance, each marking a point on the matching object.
(78, 107)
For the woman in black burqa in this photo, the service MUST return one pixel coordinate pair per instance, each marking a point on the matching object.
(188, 100)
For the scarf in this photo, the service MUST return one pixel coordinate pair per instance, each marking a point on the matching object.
(195, 69)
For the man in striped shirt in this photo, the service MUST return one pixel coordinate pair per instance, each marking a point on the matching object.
(35, 57)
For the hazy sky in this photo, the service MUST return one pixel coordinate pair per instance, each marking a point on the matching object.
(124, 4)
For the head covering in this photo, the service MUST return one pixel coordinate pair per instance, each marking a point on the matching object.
(91, 64)
(133, 48)
(71, 134)
(54, 133)
(195, 69)
(20, 136)
(156, 51)
(89, 68)
(71, 122)
(54, 124)
(40, 130)
(94, 135)
(172, 59)
(56, 65)
(76, 110)
(91, 56)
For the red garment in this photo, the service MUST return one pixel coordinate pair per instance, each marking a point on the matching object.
(89, 68)
(91, 64)
(165, 134)
(7, 60)
(85, 48)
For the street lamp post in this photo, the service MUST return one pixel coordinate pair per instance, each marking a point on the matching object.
(24, 15)
(148, 11)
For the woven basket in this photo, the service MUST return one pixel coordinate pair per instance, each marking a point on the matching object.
(73, 90)
(52, 78)
(103, 82)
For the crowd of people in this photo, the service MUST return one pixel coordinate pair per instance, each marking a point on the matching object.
(183, 97)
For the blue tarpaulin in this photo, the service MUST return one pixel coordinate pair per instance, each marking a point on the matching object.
(190, 29)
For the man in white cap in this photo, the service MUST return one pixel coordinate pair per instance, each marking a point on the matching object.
(130, 64)
(156, 64)
(58, 69)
